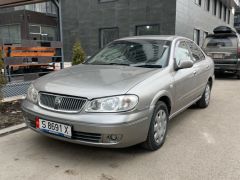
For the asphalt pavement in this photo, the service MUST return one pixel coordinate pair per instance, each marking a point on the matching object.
(201, 144)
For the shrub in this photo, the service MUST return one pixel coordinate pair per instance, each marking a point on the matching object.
(78, 55)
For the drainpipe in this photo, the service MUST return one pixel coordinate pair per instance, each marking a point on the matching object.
(58, 3)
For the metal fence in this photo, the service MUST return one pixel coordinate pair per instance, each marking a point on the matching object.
(15, 89)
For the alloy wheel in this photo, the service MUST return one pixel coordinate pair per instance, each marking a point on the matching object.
(160, 126)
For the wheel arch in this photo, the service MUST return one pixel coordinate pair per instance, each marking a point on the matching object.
(210, 80)
(164, 97)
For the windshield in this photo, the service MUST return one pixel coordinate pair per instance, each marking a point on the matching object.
(142, 53)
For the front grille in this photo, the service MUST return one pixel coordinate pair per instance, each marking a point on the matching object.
(61, 103)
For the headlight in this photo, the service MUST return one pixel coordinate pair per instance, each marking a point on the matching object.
(113, 104)
(32, 94)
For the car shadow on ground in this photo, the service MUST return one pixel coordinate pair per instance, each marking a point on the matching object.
(60, 148)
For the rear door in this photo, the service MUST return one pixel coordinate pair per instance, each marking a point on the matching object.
(222, 48)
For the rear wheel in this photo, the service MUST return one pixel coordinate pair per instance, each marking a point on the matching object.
(205, 99)
(158, 127)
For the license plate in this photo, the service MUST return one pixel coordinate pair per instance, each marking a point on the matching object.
(218, 56)
(54, 128)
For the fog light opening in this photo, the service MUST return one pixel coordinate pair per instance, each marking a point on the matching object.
(113, 138)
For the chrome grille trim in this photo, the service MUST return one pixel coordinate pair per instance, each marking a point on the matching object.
(61, 103)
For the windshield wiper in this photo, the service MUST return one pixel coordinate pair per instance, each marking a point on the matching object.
(120, 64)
(148, 65)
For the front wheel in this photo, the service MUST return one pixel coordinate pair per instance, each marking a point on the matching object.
(158, 127)
(205, 99)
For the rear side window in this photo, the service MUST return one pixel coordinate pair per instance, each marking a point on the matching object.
(196, 51)
(220, 42)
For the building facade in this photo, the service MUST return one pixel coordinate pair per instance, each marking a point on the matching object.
(29, 22)
(196, 19)
(97, 22)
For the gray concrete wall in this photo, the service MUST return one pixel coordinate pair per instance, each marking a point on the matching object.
(82, 19)
(189, 16)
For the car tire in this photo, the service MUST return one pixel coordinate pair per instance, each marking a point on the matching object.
(205, 99)
(158, 127)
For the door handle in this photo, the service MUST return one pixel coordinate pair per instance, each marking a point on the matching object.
(194, 73)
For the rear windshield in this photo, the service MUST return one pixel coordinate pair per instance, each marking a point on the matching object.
(220, 42)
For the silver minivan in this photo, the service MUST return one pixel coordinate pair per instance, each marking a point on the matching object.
(224, 48)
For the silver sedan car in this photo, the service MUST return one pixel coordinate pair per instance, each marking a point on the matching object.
(124, 95)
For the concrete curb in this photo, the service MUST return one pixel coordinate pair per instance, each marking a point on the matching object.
(15, 98)
(12, 129)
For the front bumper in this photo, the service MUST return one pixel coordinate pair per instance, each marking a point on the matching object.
(94, 128)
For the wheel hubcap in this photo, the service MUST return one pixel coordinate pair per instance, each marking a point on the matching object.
(207, 94)
(160, 125)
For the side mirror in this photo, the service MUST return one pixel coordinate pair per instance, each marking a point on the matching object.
(185, 64)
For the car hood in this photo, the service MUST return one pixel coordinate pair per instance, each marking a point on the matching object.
(92, 81)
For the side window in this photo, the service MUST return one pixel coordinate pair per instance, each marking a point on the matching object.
(182, 53)
(196, 52)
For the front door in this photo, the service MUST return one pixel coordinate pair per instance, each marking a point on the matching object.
(184, 79)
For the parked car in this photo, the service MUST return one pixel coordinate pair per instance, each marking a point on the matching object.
(223, 46)
(124, 95)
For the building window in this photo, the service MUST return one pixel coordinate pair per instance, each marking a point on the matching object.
(44, 7)
(196, 36)
(41, 32)
(225, 14)
(207, 5)
(49, 33)
(229, 16)
(51, 8)
(10, 34)
(108, 35)
(205, 34)
(198, 2)
(34, 29)
(220, 10)
(148, 30)
(215, 7)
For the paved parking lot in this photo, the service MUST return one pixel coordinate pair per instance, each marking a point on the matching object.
(201, 144)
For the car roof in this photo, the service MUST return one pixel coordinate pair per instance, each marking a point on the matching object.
(154, 37)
